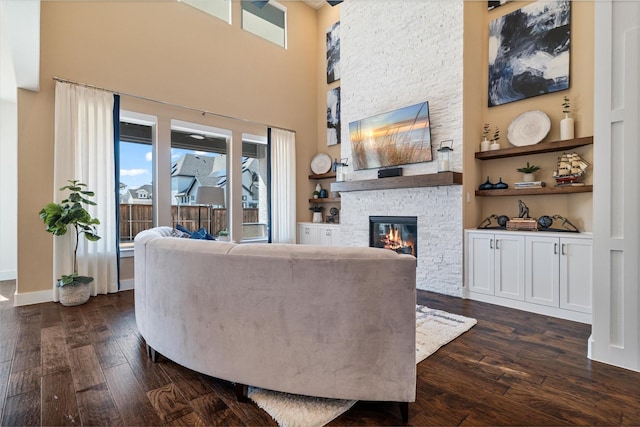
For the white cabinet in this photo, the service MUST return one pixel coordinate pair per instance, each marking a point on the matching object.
(543, 272)
(542, 283)
(496, 264)
(559, 272)
(318, 234)
(575, 274)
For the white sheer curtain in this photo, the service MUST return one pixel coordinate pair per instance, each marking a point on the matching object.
(84, 150)
(283, 186)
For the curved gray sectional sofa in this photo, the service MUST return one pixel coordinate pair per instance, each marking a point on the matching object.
(335, 322)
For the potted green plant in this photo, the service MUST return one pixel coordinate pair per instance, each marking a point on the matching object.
(528, 172)
(317, 213)
(58, 217)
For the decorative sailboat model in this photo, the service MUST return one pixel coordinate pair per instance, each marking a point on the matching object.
(570, 169)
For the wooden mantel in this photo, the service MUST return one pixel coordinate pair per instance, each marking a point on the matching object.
(409, 181)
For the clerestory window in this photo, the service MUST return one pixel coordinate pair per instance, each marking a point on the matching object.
(218, 8)
(266, 19)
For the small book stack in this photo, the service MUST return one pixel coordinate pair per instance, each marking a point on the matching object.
(532, 184)
(570, 184)
(522, 224)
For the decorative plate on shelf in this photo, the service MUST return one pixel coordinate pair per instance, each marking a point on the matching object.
(528, 128)
(321, 163)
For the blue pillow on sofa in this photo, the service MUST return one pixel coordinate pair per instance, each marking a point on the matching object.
(201, 234)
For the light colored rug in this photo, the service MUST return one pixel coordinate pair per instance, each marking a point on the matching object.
(434, 328)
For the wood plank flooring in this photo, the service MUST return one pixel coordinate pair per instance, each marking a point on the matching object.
(87, 365)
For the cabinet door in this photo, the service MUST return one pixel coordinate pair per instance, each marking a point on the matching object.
(325, 236)
(480, 262)
(575, 274)
(509, 266)
(542, 270)
(307, 234)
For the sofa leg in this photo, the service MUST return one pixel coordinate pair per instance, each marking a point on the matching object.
(153, 354)
(404, 411)
(242, 392)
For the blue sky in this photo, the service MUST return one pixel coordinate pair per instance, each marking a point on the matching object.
(136, 165)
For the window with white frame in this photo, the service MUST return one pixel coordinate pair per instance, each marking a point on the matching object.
(218, 8)
(136, 174)
(266, 19)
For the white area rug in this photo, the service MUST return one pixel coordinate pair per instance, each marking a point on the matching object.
(434, 328)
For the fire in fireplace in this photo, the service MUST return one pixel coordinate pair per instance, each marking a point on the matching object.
(398, 233)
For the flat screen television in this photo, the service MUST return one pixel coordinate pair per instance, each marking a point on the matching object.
(395, 138)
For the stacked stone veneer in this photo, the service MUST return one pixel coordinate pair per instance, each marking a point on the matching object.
(439, 214)
(397, 53)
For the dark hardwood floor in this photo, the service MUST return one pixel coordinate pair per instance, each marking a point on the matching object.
(87, 365)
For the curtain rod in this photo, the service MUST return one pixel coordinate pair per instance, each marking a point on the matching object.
(203, 112)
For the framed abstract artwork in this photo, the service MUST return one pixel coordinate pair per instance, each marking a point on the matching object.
(333, 53)
(398, 137)
(492, 4)
(529, 52)
(333, 116)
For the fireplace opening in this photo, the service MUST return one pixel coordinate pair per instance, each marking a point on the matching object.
(397, 233)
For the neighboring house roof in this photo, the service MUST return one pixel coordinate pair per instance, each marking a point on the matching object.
(142, 192)
(195, 165)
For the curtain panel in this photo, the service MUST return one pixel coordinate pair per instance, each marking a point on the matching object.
(84, 150)
(283, 186)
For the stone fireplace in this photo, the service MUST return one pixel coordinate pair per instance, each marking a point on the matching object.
(439, 231)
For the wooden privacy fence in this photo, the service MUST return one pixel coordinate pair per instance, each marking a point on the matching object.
(136, 218)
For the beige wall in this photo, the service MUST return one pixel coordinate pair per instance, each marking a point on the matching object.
(578, 208)
(166, 51)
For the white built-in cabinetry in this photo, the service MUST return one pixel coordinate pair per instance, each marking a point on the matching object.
(543, 272)
(310, 233)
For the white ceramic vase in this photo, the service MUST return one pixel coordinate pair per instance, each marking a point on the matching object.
(494, 146)
(566, 128)
(484, 145)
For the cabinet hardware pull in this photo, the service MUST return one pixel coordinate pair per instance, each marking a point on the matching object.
(490, 243)
(563, 251)
(555, 249)
(497, 241)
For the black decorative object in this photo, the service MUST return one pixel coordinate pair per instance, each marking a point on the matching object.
(386, 173)
(500, 185)
(523, 210)
(546, 223)
(501, 221)
(487, 185)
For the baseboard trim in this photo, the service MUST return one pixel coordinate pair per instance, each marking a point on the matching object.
(126, 285)
(28, 298)
(39, 297)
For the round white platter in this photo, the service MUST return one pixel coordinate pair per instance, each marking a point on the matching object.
(528, 128)
(321, 163)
